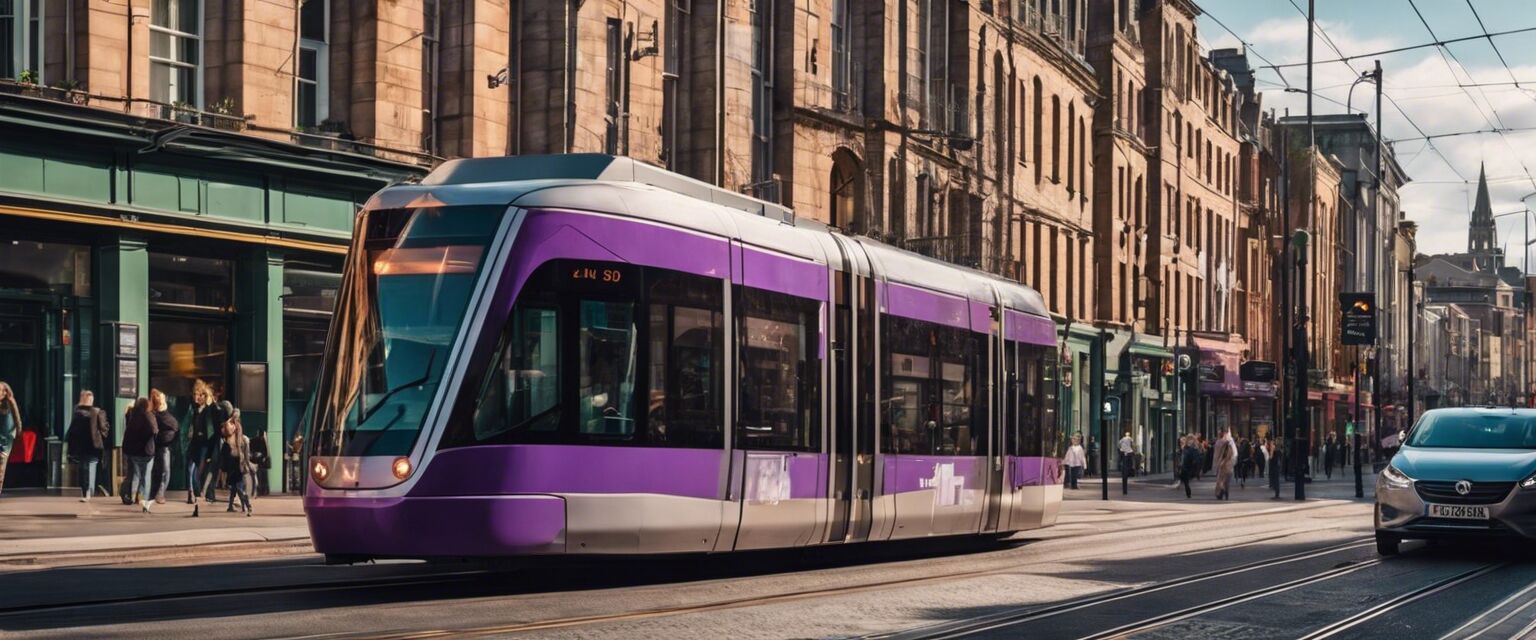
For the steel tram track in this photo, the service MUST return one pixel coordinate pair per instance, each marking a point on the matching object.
(1328, 631)
(1481, 620)
(462, 576)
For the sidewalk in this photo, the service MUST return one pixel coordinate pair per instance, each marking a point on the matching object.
(45, 528)
(1163, 486)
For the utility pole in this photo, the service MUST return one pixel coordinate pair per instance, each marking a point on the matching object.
(1391, 226)
(1413, 321)
(1096, 396)
(1299, 435)
(1286, 302)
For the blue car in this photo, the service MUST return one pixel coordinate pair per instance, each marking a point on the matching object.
(1463, 473)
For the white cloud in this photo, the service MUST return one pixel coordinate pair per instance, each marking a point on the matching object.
(1424, 85)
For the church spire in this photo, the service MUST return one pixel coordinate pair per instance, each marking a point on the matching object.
(1481, 240)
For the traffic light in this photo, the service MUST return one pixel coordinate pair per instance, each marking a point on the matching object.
(1357, 322)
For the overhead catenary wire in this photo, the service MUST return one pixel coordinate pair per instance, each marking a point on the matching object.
(1425, 45)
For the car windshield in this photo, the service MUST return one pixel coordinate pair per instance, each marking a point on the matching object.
(1475, 431)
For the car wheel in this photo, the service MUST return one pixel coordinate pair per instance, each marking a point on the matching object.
(1386, 545)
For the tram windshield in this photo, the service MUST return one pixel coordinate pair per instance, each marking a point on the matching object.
(406, 291)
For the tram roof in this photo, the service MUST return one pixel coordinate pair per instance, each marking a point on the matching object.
(633, 188)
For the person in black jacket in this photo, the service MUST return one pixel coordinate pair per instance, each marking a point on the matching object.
(139, 429)
(261, 461)
(232, 456)
(202, 431)
(1190, 460)
(165, 440)
(87, 438)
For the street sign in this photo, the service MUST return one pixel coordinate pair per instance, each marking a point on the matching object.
(1357, 322)
(1112, 407)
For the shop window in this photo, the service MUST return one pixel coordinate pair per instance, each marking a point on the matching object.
(182, 352)
(45, 267)
(310, 293)
(192, 283)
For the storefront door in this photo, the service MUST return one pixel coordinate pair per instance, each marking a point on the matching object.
(23, 356)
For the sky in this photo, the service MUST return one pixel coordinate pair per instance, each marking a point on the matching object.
(1426, 94)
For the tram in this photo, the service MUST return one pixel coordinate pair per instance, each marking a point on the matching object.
(584, 354)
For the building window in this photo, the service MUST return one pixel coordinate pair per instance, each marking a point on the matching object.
(762, 91)
(21, 38)
(430, 43)
(176, 52)
(842, 54)
(189, 283)
(672, 61)
(314, 64)
(614, 83)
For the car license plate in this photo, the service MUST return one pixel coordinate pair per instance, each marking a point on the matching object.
(1458, 512)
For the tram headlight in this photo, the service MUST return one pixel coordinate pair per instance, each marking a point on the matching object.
(320, 471)
(401, 468)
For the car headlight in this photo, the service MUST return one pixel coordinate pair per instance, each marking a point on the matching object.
(1395, 479)
(1529, 483)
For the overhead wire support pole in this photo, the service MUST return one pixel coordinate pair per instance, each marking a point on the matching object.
(1299, 449)
(1391, 233)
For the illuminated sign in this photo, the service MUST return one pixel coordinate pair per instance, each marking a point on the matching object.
(597, 274)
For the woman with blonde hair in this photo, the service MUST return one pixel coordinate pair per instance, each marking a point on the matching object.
(10, 426)
(203, 424)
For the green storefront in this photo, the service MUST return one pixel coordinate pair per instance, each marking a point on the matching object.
(138, 253)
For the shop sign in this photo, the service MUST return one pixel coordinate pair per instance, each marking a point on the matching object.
(127, 340)
(1257, 371)
(1212, 372)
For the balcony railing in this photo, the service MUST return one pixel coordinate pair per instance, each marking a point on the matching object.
(966, 250)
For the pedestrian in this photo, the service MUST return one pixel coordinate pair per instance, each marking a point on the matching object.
(1327, 455)
(201, 429)
(1127, 462)
(87, 438)
(233, 459)
(1244, 462)
(165, 441)
(139, 430)
(10, 426)
(1189, 463)
(1075, 460)
(1205, 455)
(1224, 458)
(1260, 459)
(217, 412)
(261, 461)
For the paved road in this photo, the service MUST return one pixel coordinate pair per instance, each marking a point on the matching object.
(1155, 567)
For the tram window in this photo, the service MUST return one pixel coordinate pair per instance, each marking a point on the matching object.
(607, 346)
(780, 377)
(523, 390)
(1032, 400)
(686, 352)
(931, 394)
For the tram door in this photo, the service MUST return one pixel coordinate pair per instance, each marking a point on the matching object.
(852, 405)
(997, 419)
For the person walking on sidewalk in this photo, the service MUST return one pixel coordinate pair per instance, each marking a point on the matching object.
(1189, 463)
(202, 429)
(1244, 462)
(87, 438)
(10, 426)
(139, 430)
(1127, 462)
(233, 459)
(165, 440)
(1224, 459)
(1330, 454)
(1075, 460)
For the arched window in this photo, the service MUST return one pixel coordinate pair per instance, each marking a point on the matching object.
(1056, 134)
(846, 185)
(1039, 131)
(1071, 148)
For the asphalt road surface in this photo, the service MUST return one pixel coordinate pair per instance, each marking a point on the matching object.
(1153, 569)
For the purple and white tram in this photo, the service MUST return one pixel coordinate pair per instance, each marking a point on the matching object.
(586, 355)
